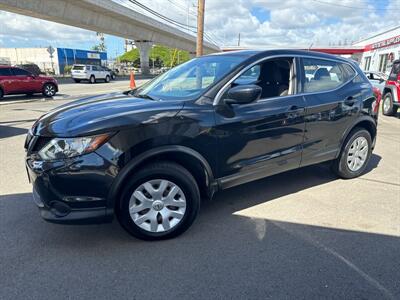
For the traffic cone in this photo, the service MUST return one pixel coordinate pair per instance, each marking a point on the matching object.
(132, 84)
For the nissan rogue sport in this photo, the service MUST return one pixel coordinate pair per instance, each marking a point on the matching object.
(148, 156)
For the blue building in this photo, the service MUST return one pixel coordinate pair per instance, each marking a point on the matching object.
(68, 57)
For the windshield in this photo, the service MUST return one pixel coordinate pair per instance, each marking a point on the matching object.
(188, 81)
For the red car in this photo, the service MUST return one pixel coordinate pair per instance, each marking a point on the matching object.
(15, 80)
(391, 92)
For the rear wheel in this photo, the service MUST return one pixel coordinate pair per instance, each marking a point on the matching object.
(355, 155)
(92, 79)
(49, 90)
(161, 201)
(388, 108)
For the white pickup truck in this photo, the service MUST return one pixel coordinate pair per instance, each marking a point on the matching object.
(91, 73)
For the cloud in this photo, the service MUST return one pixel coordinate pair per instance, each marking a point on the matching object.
(290, 22)
(17, 29)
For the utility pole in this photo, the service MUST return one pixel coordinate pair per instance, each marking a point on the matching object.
(200, 27)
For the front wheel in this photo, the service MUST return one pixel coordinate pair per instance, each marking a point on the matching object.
(161, 201)
(355, 154)
(49, 90)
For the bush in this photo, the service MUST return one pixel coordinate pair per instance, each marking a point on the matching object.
(67, 69)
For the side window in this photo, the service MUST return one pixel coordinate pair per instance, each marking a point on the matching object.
(274, 76)
(20, 72)
(324, 75)
(94, 68)
(395, 72)
(88, 68)
(250, 76)
(5, 72)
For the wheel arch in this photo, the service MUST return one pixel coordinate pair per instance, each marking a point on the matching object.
(188, 158)
(368, 123)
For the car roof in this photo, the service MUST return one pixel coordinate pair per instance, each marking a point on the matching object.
(288, 52)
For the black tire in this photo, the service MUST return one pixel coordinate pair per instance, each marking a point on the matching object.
(340, 166)
(77, 80)
(390, 108)
(49, 90)
(92, 79)
(1, 93)
(107, 79)
(161, 170)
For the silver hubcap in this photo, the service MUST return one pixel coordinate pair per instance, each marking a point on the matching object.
(49, 90)
(358, 153)
(157, 205)
(386, 104)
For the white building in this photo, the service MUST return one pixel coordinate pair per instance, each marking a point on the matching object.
(380, 50)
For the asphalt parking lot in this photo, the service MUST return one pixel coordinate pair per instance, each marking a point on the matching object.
(299, 235)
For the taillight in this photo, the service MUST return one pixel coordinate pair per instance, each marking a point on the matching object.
(378, 96)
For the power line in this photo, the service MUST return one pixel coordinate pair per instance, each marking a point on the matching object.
(355, 7)
(171, 21)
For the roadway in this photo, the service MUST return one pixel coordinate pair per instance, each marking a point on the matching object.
(303, 234)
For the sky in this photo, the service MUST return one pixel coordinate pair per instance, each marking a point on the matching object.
(271, 23)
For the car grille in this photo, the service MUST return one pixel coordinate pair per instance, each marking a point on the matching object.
(35, 143)
(40, 142)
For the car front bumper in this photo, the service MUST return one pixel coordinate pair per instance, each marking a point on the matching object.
(72, 191)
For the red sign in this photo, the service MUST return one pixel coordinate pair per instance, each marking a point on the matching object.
(382, 44)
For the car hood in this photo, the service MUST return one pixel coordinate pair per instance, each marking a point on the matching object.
(103, 113)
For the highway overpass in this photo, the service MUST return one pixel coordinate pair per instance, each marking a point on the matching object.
(108, 17)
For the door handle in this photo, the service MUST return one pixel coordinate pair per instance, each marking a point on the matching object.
(349, 101)
(295, 111)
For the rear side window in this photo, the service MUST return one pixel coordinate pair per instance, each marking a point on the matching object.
(5, 72)
(324, 75)
(20, 72)
(395, 72)
(78, 68)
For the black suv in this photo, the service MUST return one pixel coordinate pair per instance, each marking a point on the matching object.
(150, 155)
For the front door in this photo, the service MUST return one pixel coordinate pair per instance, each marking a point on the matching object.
(25, 82)
(263, 137)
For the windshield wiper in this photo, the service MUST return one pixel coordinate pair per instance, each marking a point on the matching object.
(145, 96)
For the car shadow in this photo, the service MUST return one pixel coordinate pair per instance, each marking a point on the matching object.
(10, 131)
(221, 207)
(223, 255)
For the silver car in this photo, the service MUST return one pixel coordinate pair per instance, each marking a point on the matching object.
(90, 73)
(377, 79)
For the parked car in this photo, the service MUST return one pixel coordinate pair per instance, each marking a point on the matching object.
(113, 73)
(14, 80)
(391, 92)
(150, 155)
(377, 79)
(33, 68)
(89, 73)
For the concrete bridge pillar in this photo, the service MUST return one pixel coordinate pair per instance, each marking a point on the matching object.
(144, 51)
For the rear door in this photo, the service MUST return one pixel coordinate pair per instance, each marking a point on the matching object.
(332, 97)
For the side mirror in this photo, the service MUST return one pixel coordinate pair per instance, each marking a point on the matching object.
(243, 94)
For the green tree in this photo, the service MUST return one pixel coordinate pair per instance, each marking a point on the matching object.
(162, 56)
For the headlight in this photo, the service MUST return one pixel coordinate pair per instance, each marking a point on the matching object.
(61, 148)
